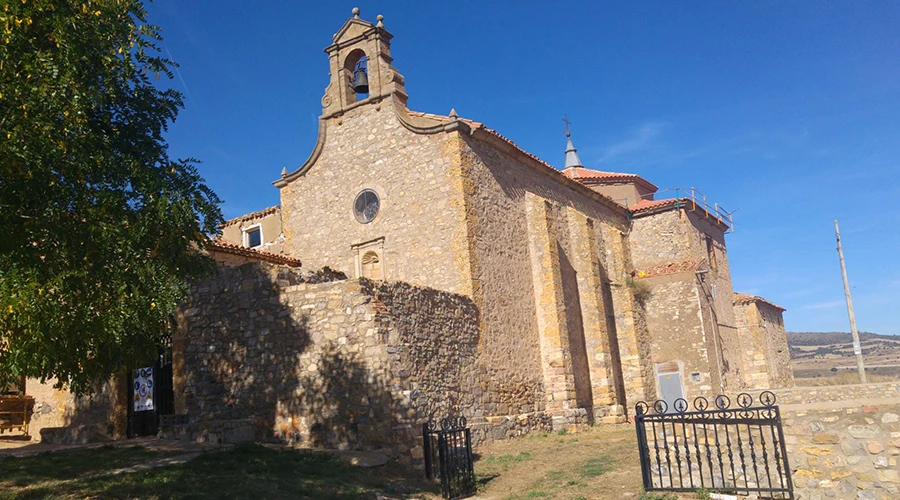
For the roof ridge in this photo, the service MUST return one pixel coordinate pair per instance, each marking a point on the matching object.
(273, 258)
(744, 298)
(251, 215)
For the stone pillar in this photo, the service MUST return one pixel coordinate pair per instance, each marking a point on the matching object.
(559, 381)
(631, 329)
(586, 260)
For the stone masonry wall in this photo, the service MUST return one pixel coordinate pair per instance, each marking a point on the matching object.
(539, 287)
(418, 218)
(687, 239)
(761, 330)
(680, 337)
(843, 442)
(346, 364)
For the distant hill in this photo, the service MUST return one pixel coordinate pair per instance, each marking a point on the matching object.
(816, 355)
(822, 350)
(826, 338)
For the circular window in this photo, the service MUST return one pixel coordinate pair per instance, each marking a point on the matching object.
(365, 208)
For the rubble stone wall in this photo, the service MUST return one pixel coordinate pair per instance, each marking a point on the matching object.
(843, 442)
(351, 364)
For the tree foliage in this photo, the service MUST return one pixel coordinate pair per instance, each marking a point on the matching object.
(101, 229)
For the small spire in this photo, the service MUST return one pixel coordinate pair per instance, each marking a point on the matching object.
(453, 113)
(355, 12)
(572, 159)
(284, 171)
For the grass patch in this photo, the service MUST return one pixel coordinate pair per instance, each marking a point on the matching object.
(504, 461)
(65, 465)
(529, 495)
(597, 466)
(600, 463)
(657, 496)
(247, 471)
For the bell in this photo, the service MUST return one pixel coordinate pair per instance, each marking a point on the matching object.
(360, 81)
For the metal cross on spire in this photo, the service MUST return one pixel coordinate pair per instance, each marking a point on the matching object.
(572, 159)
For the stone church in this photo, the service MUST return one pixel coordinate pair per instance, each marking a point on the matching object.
(421, 265)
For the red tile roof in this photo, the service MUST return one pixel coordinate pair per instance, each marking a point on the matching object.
(252, 215)
(648, 204)
(599, 176)
(649, 207)
(743, 298)
(273, 258)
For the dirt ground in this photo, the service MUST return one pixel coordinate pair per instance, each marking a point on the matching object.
(600, 463)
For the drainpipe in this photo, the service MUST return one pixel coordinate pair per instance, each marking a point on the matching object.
(715, 330)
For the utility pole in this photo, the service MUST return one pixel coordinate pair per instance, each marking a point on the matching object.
(857, 349)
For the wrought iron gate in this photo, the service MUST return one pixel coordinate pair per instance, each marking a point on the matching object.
(448, 455)
(143, 421)
(721, 449)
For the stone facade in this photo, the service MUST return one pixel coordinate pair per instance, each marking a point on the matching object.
(679, 254)
(563, 325)
(482, 282)
(843, 442)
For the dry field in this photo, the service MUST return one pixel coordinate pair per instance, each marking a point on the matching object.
(827, 358)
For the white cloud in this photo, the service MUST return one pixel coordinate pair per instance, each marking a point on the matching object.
(825, 305)
(640, 139)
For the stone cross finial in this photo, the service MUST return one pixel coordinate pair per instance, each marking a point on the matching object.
(355, 12)
(566, 119)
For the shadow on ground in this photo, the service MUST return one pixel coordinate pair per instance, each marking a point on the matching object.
(247, 471)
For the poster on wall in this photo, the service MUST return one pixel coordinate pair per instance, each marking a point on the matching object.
(143, 389)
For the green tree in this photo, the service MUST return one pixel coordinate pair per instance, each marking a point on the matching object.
(101, 229)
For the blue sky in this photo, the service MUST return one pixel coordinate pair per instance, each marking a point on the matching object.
(787, 112)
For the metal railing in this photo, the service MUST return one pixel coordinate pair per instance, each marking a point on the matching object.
(692, 199)
(721, 449)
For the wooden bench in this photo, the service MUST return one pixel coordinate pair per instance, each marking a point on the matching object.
(15, 412)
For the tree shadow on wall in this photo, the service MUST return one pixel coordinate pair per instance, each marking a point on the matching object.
(257, 365)
(342, 404)
(60, 417)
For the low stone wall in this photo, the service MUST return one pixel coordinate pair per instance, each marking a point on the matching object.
(807, 395)
(262, 355)
(843, 442)
(59, 417)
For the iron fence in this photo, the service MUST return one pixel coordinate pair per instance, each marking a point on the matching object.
(448, 455)
(720, 449)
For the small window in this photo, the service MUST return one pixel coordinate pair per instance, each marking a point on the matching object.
(253, 237)
(365, 208)
(371, 266)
